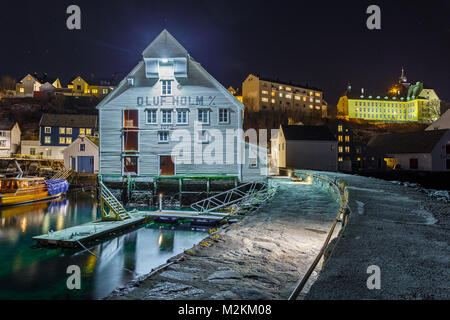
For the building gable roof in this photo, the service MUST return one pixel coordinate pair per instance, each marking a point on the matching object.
(68, 120)
(316, 133)
(165, 45)
(442, 123)
(412, 142)
(7, 124)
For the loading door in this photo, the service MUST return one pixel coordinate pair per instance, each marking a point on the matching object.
(85, 164)
(166, 166)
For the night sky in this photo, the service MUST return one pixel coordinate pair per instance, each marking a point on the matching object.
(320, 43)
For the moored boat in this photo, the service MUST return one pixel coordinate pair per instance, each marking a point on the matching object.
(17, 191)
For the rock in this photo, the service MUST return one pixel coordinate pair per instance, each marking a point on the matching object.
(225, 295)
(170, 291)
(228, 277)
(181, 276)
(245, 293)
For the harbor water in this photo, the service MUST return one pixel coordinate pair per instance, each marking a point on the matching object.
(38, 273)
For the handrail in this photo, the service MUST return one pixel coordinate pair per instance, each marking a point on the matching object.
(343, 211)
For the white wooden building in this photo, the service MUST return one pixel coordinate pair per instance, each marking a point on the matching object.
(168, 95)
(9, 137)
(82, 155)
(304, 147)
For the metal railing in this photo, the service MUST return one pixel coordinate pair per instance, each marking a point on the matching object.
(341, 217)
(231, 197)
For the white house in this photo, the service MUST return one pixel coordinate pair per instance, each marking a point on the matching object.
(304, 147)
(442, 123)
(170, 117)
(82, 155)
(416, 151)
(9, 137)
(34, 148)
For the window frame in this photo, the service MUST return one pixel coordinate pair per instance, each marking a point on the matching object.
(160, 132)
(179, 111)
(148, 111)
(169, 112)
(49, 130)
(166, 85)
(228, 114)
(204, 111)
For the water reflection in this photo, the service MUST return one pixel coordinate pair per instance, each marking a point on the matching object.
(27, 273)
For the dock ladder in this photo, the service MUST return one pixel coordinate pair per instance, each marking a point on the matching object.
(233, 196)
(111, 208)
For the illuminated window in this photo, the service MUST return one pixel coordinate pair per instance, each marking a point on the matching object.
(304, 98)
(47, 139)
(340, 159)
(88, 132)
(288, 89)
(94, 91)
(340, 149)
(281, 95)
(273, 93)
(62, 140)
(62, 130)
(68, 130)
(347, 149)
(297, 97)
(339, 128)
(68, 140)
(311, 106)
(265, 92)
(273, 100)
(105, 91)
(265, 100)
(280, 87)
(317, 94)
(22, 90)
(48, 130)
(340, 138)
(82, 131)
(288, 96)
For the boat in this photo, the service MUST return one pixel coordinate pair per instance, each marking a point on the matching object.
(23, 190)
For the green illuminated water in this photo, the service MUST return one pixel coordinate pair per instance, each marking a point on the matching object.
(28, 273)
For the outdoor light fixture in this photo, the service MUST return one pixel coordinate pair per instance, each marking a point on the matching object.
(165, 60)
(160, 201)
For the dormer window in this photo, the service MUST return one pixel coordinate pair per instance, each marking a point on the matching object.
(166, 87)
(130, 82)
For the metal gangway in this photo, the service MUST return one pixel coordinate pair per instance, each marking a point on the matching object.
(235, 196)
(111, 209)
(62, 174)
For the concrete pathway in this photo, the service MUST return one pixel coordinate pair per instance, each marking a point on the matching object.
(399, 229)
(261, 257)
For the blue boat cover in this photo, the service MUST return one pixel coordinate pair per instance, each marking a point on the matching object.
(57, 186)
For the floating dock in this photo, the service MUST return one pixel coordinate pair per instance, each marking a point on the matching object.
(94, 232)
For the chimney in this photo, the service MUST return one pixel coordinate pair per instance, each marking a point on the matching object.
(362, 90)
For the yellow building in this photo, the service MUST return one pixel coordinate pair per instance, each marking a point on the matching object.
(80, 87)
(403, 103)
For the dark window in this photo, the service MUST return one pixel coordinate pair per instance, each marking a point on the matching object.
(130, 118)
(78, 87)
(448, 164)
(130, 165)
(82, 147)
(131, 141)
(414, 163)
(447, 149)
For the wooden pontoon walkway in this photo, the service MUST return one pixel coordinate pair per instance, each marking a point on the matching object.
(95, 231)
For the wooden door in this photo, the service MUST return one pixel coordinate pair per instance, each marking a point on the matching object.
(166, 166)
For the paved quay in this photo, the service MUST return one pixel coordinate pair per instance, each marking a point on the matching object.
(261, 257)
(397, 228)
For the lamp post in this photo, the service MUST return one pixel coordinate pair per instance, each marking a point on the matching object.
(160, 201)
